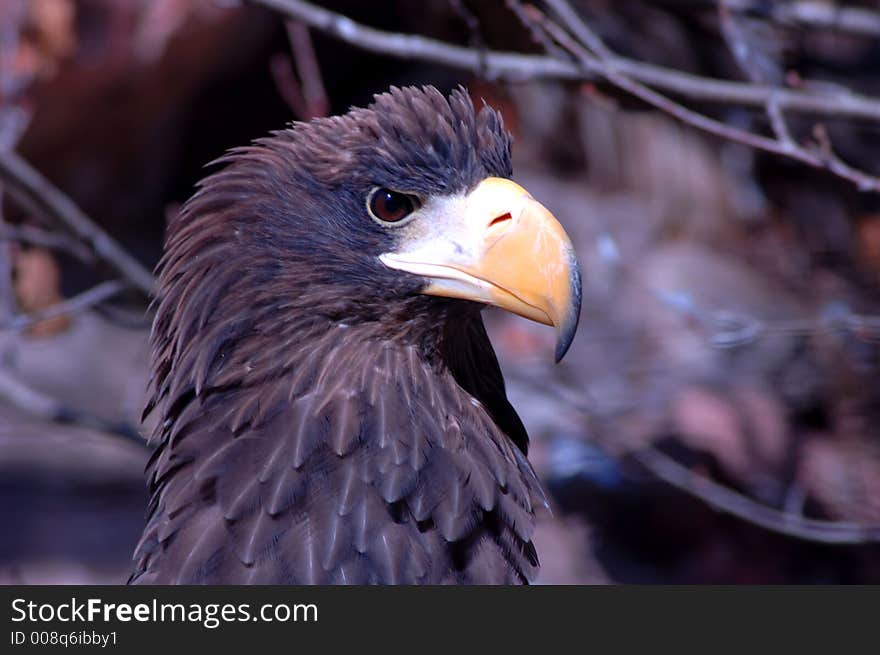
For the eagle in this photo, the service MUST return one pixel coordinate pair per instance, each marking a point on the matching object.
(328, 405)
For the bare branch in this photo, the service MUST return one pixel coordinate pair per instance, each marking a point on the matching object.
(36, 194)
(830, 15)
(39, 404)
(821, 14)
(821, 158)
(729, 501)
(829, 159)
(313, 91)
(580, 29)
(14, 120)
(78, 303)
(717, 496)
(820, 154)
(18, 394)
(755, 54)
(596, 61)
(518, 67)
(39, 237)
(305, 96)
(288, 87)
(538, 35)
(726, 329)
(476, 40)
(779, 125)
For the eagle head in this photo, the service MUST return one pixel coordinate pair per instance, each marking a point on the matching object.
(398, 210)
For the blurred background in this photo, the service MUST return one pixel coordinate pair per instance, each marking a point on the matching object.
(717, 419)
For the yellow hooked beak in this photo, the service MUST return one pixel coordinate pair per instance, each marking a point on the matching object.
(499, 246)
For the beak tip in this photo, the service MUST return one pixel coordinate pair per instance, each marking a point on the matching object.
(564, 339)
(567, 328)
(561, 348)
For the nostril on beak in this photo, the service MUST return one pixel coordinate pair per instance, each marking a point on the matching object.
(503, 218)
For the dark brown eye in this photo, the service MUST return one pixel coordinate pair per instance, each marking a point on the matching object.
(391, 206)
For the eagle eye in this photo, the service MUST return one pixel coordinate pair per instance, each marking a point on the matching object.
(391, 206)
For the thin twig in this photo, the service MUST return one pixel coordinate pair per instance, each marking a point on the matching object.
(581, 30)
(779, 125)
(476, 38)
(729, 501)
(829, 15)
(41, 405)
(824, 152)
(97, 294)
(288, 87)
(609, 71)
(305, 96)
(717, 496)
(14, 119)
(19, 394)
(726, 329)
(37, 236)
(36, 194)
(822, 14)
(538, 35)
(518, 67)
(749, 51)
(313, 92)
(821, 157)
